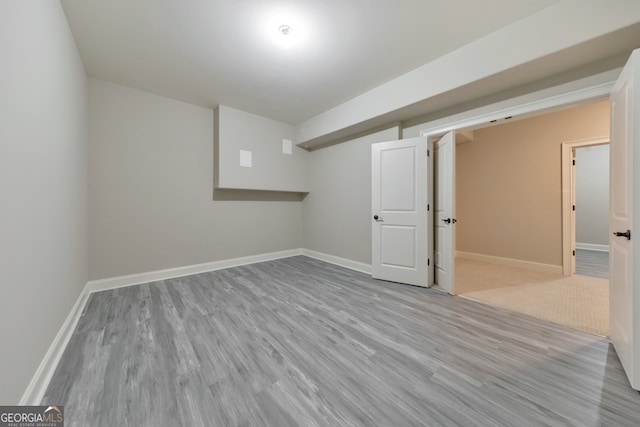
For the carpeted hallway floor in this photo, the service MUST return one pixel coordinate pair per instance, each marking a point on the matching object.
(580, 302)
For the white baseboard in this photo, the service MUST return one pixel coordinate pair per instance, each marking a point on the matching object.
(342, 262)
(36, 389)
(592, 247)
(170, 273)
(511, 262)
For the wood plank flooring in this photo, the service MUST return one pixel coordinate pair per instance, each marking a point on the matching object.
(592, 263)
(301, 342)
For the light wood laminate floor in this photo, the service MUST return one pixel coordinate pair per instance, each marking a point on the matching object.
(299, 342)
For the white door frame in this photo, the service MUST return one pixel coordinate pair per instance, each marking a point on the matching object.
(535, 102)
(568, 195)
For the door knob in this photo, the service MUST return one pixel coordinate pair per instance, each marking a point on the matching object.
(448, 220)
(377, 218)
(626, 234)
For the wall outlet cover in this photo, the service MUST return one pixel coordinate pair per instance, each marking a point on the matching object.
(287, 146)
(245, 159)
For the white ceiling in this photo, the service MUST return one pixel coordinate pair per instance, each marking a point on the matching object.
(210, 52)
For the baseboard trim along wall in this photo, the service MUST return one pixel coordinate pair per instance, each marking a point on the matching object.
(343, 262)
(171, 273)
(511, 262)
(34, 393)
(36, 389)
(592, 247)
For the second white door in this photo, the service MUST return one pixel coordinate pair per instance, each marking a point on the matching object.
(444, 191)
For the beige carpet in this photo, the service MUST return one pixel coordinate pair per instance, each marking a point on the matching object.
(580, 302)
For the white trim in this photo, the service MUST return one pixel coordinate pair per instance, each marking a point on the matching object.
(568, 199)
(590, 88)
(511, 262)
(170, 273)
(343, 262)
(36, 389)
(34, 393)
(592, 247)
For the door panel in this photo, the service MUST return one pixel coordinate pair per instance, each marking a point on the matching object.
(399, 246)
(624, 322)
(398, 169)
(399, 199)
(444, 165)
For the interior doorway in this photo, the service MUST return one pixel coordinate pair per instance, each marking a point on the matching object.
(509, 201)
(585, 207)
(592, 211)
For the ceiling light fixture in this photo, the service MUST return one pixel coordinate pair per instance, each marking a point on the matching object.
(285, 30)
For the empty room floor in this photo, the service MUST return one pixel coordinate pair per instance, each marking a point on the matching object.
(579, 301)
(302, 342)
(592, 263)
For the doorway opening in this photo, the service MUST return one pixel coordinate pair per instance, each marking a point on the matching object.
(509, 206)
(585, 207)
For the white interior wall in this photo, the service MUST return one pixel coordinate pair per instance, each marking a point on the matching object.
(43, 185)
(337, 210)
(271, 168)
(151, 198)
(592, 195)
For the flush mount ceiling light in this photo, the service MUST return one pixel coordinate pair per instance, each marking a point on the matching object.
(277, 27)
(285, 30)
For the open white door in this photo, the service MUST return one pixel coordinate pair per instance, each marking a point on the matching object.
(444, 190)
(624, 310)
(573, 212)
(399, 195)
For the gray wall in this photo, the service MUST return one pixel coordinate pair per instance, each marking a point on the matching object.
(271, 169)
(151, 186)
(592, 195)
(337, 211)
(43, 185)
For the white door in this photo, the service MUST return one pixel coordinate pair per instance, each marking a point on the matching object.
(444, 190)
(399, 221)
(573, 211)
(624, 310)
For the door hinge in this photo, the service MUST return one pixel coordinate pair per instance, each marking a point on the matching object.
(428, 208)
(574, 253)
(574, 207)
(574, 162)
(428, 262)
(428, 153)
